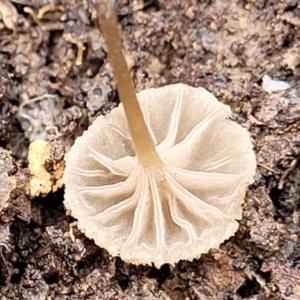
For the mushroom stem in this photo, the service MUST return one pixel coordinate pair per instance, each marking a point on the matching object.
(142, 141)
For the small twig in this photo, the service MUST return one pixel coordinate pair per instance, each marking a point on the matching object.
(80, 47)
(49, 8)
(286, 173)
(45, 27)
(33, 15)
(268, 168)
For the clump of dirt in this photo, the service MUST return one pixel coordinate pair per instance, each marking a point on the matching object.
(55, 79)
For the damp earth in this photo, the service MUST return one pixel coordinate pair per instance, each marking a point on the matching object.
(55, 80)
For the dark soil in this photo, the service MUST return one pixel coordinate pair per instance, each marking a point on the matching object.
(57, 52)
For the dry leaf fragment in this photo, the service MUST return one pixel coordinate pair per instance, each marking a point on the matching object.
(7, 183)
(46, 173)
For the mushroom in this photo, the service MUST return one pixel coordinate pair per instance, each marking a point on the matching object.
(161, 178)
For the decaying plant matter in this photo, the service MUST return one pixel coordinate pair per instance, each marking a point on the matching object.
(155, 185)
(45, 167)
(7, 180)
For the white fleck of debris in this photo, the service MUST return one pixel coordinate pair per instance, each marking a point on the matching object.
(272, 86)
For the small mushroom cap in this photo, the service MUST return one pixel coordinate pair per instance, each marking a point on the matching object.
(162, 214)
